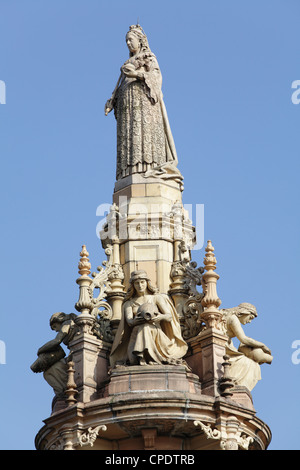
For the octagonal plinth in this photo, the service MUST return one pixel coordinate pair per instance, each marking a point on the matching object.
(158, 408)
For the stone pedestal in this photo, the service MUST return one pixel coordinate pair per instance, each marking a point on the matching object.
(152, 379)
(205, 357)
(149, 226)
(90, 357)
(212, 343)
(242, 396)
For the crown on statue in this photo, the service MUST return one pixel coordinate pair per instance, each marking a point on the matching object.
(137, 28)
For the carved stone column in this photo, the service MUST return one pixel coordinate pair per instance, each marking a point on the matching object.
(116, 293)
(231, 441)
(67, 437)
(179, 289)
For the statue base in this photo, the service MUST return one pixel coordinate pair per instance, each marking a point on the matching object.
(242, 396)
(157, 407)
(152, 378)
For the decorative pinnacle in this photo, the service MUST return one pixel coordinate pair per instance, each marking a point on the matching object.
(210, 259)
(210, 301)
(84, 265)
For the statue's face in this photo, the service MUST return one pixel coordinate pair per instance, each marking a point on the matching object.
(140, 286)
(247, 318)
(55, 326)
(132, 42)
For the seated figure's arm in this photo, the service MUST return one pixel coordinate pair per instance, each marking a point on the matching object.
(237, 330)
(53, 344)
(129, 317)
(164, 309)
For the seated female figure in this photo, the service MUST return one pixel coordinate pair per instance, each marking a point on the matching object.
(149, 331)
(246, 360)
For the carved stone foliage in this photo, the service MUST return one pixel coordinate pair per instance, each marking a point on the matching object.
(191, 325)
(231, 437)
(102, 327)
(208, 431)
(99, 307)
(186, 276)
(95, 291)
(69, 439)
(88, 438)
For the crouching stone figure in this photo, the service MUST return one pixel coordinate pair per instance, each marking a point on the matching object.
(51, 356)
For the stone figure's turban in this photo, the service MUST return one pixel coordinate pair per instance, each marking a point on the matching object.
(246, 308)
(141, 274)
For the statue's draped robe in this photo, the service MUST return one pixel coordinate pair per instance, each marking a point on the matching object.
(244, 370)
(160, 343)
(144, 138)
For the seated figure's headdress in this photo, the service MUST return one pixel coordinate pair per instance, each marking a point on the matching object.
(140, 274)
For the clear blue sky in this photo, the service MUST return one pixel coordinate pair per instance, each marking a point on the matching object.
(227, 74)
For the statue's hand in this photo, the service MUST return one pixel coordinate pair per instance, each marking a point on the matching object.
(108, 107)
(266, 349)
(130, 71)
(132, 74)
(138, 320)
(157, 318)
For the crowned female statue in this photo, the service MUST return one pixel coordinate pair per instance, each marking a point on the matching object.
(144, 139)
(149, 330)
